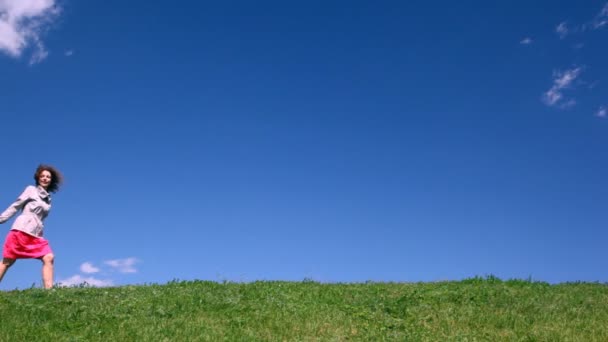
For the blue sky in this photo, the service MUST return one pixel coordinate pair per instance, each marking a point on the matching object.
(339, 141)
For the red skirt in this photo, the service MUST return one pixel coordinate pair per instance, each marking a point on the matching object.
(20, 245)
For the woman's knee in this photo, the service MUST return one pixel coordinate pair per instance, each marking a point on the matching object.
(49, 258)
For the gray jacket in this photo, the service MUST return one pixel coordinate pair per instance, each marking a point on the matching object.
(35, 204)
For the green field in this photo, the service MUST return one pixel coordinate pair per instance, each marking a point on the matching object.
(478, 309)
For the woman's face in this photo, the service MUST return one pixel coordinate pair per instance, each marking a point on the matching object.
(44, 179)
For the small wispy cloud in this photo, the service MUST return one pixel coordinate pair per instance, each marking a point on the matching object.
(563, 80)
(69, 53)
(88, 268)
(526, 41)
(578, 46)
(562, 30)
(568, 104)
(554, 97)
(21, 24)
(77, 280)
(601, 19)
(598, 22)
(123, 265)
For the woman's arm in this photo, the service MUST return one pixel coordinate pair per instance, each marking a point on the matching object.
(17, 205)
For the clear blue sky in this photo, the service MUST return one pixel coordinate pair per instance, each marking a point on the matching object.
(340, 141)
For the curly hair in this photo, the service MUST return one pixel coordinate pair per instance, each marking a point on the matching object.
(56, 177)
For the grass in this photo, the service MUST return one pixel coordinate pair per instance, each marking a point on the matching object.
(477, 309)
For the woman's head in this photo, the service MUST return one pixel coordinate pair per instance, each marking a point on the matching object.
(42, 175)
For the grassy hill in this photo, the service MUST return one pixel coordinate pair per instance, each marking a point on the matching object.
(482, 309)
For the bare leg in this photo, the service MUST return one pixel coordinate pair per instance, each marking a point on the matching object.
(47, 270)
(4, 265)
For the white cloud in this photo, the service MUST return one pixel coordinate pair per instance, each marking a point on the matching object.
(601, 19)
(562, 30)
(79, 280)
(552, 96)
(116, 265)
(526, 41)
(123, 265)
(68, 53)
(39, 53)
(21, 24)
(87, 267)
(555, 96)
(561, 81)
(604, 12)
(564, 79)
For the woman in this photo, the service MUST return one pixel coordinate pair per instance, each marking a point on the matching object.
(25, 241)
